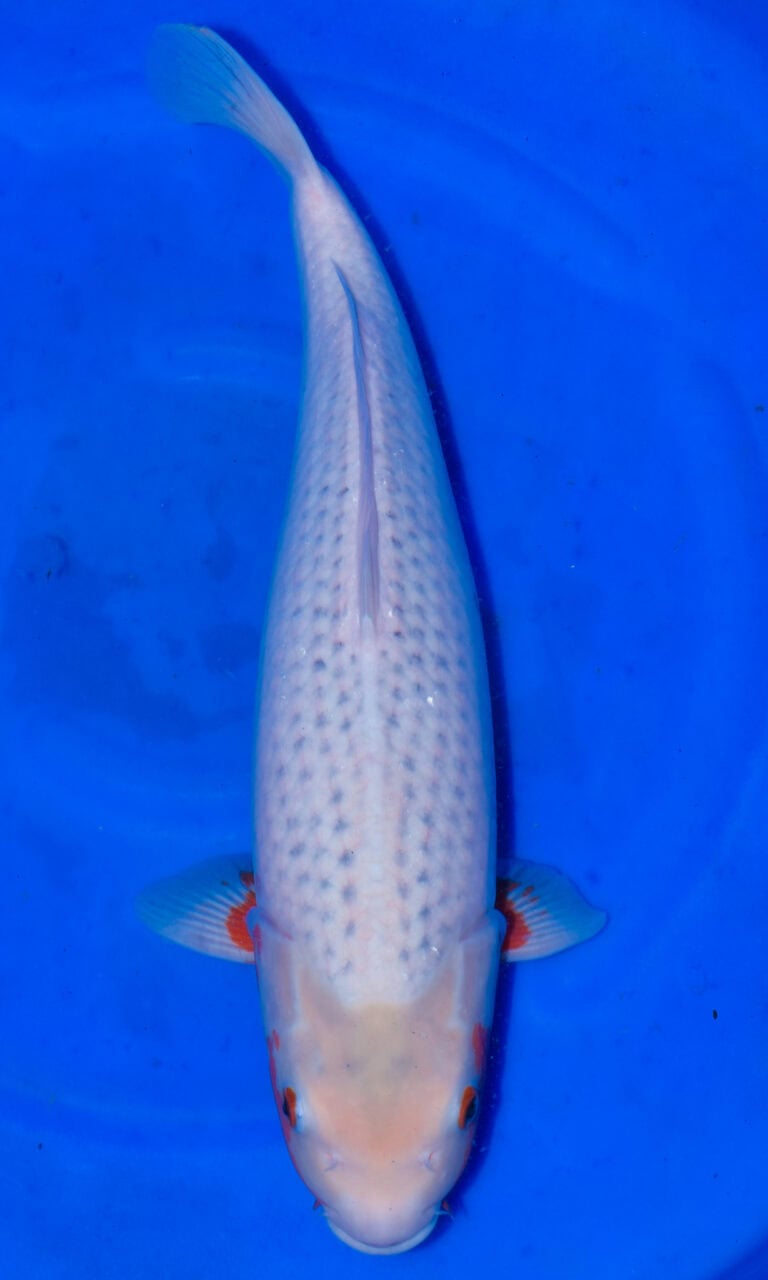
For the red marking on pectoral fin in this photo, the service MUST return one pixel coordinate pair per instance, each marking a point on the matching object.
(517, 932)
(544, 911)
(236, 923)
(205, 908)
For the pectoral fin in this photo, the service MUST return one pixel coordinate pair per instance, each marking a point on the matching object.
(544, 911)
(205, 908)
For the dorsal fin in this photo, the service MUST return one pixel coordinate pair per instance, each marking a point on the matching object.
(367, 512)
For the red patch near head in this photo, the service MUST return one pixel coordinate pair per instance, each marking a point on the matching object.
(518, 932)
(273, 1065)
(468, 1107)
(479, 1044)
(288, 1106)
(273, 1044)
(236, 916)
(285, 1098)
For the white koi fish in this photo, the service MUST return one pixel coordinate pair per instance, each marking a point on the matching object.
(370, 910)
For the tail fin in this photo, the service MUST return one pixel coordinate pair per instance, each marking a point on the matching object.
(201, 79)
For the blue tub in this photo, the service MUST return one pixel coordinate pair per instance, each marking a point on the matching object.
(572, 202)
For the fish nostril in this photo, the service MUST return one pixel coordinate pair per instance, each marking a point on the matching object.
(429, 1162)
(333, 1162)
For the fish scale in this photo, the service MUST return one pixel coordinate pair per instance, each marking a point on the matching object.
(374, 790)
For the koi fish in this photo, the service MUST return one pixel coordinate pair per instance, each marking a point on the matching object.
(369, 908)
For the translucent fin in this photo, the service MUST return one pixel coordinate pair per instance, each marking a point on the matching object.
(205, 908)
(544, 911)
(202, 80)
(367, 510)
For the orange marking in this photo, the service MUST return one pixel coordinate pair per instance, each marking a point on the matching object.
(247, 878)
(288, 1107)
(236, 926)
(479, 1044)
(468, 1107)
(285, 1101)
(273, 1046)
(518, 931)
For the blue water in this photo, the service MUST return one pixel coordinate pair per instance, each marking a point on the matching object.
(572, 200)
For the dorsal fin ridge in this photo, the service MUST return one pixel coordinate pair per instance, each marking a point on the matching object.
(367, 512)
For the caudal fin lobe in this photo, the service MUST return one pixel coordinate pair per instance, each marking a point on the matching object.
(201, 79)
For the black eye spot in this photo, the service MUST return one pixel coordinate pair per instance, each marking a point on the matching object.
(289, 1106)
(468, 1107)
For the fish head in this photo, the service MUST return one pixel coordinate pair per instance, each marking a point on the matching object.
(379, 1102)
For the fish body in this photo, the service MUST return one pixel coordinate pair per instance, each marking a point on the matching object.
(370, 910)
(374, 777)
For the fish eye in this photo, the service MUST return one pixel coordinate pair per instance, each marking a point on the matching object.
(468, 1107)
(289, 1106)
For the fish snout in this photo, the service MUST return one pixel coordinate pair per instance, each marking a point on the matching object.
(381, 1230)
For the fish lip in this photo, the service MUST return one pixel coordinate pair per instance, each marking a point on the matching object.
(400, 1247)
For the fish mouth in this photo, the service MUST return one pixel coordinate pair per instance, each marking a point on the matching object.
(398, 1247)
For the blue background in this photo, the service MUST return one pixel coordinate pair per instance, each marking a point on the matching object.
(572, 198)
